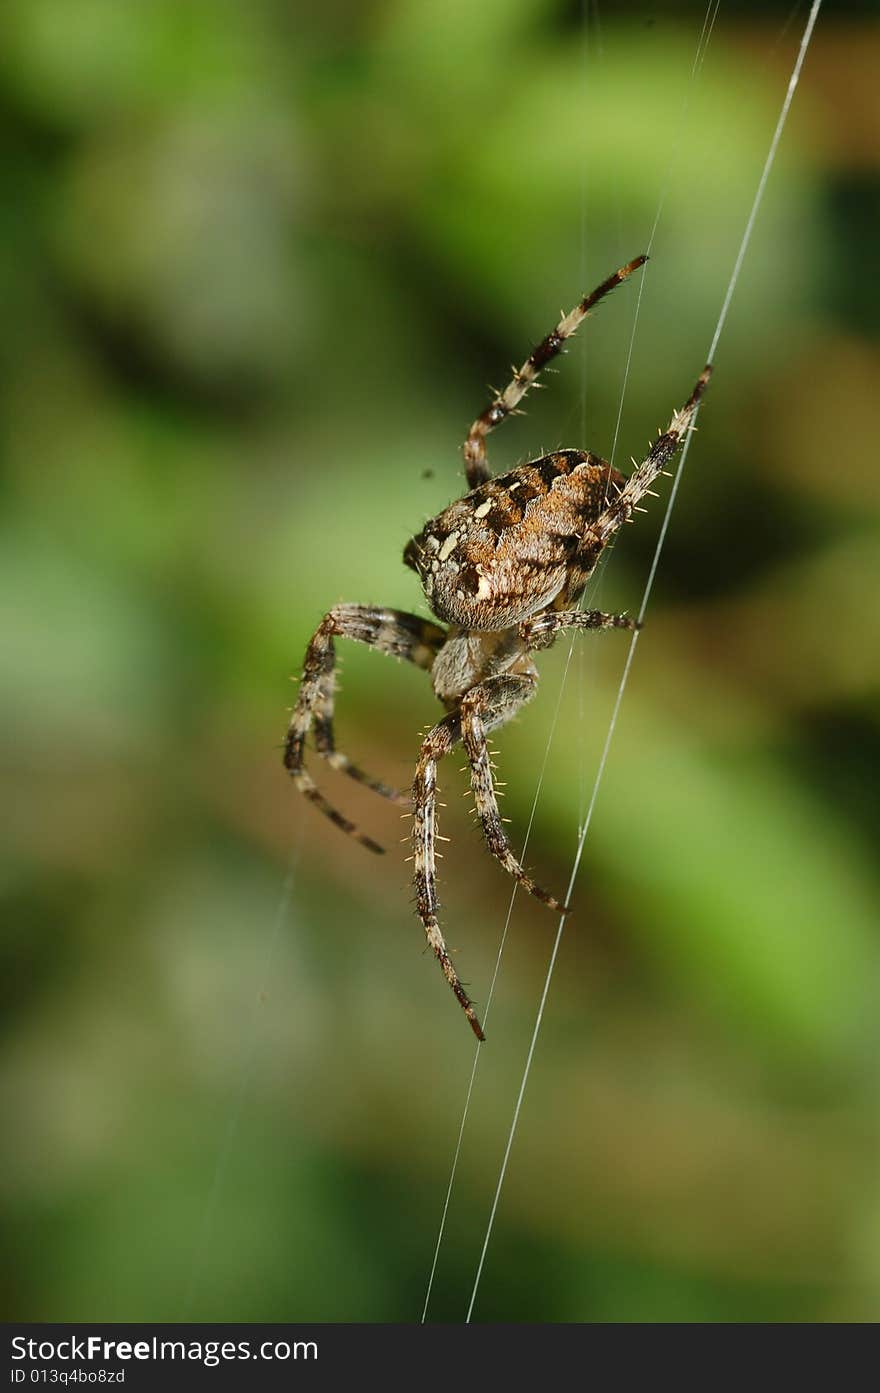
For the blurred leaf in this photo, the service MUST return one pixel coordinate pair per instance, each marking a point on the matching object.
(747, 896)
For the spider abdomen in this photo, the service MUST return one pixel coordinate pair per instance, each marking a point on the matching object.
(512, 545)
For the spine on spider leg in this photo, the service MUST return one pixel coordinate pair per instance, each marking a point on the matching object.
(621, 508)
(610, 284)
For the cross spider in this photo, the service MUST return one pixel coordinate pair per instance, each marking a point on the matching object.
(502, 568)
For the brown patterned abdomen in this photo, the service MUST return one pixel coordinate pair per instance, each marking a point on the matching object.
(512, 545)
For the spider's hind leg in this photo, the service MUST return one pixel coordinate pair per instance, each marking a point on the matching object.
(541, 631)
(391, 631)
(621, 507)
(504, 404)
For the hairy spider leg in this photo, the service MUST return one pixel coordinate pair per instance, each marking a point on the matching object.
(436, 744)
(541, 631)
(484, 707)
(621, 508)
(390, 631)
(476, 464)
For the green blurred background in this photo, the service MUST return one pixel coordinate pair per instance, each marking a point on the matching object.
(258, 263)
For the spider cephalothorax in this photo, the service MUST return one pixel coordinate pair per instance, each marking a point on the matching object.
(502, 568)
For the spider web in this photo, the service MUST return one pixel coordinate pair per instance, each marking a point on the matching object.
(585, 822)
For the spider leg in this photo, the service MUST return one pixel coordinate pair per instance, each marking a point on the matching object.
(484, 707)
(476, 464)
(541, 631)
(391, 631)
(620, 508)
(437, 743)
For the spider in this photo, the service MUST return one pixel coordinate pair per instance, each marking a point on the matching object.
(503, 568)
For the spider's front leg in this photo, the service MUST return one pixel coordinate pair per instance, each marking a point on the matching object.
(485, 706)
(393, 632)
(436, 744)
(541, 631)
